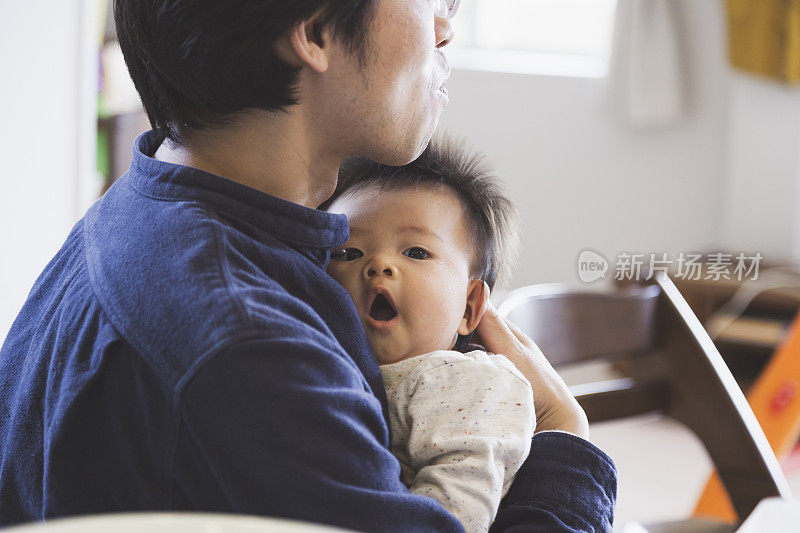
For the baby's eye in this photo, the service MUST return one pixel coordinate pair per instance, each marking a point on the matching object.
(415, 252)
(346, 254)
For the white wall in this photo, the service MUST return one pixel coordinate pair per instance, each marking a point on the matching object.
(582, 179)
(46, 138)
(762, 200)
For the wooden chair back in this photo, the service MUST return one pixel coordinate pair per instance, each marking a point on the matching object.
(672, 366)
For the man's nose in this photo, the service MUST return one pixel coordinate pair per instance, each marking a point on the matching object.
(444, 32)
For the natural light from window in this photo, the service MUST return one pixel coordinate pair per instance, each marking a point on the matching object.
(560, 37)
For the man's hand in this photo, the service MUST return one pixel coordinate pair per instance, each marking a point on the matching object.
(556, 408)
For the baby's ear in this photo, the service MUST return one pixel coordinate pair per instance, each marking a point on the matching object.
(477, 298)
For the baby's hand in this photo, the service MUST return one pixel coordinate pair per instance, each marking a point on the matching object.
(556, 408)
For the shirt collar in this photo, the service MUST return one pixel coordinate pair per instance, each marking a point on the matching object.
(289, 222)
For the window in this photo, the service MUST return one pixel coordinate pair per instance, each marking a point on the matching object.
(562, 37)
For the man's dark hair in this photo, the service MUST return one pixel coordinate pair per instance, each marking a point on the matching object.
(197, 63)
(447, 162)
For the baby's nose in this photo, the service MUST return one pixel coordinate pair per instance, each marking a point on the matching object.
(372, 271)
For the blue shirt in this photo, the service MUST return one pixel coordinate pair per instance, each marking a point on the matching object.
(185, 350)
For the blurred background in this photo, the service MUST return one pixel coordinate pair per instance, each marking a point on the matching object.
(619, 126)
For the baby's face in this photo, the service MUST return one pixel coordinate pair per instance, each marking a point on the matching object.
(406, 266)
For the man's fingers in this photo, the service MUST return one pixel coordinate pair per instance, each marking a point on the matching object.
(495, 333)
(500, 323)
(524, 339)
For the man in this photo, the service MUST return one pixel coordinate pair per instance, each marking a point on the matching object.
(185, 349)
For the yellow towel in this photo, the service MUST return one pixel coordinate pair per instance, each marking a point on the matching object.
(764, 37)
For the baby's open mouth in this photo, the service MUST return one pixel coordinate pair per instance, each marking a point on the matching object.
(381, 309)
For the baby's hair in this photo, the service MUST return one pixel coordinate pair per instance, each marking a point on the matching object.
(447, 162)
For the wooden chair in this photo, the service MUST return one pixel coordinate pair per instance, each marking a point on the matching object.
(671, 366)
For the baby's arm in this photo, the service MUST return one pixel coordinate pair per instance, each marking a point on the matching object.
(470, 428)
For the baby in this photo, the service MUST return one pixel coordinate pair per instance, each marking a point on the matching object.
(426, 243)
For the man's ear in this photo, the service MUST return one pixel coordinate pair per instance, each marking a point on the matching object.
(306, 43)
(477, 298)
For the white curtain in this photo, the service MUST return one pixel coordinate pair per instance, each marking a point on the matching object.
(647, 71)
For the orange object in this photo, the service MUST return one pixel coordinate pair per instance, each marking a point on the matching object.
(775, 400)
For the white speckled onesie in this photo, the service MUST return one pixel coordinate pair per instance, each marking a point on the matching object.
(461, 426)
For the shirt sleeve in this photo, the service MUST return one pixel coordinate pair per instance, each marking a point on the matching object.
(282, 428)
(471, 424)
(567, 484)
(290, 429)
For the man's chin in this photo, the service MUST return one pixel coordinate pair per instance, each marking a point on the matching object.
(407, 149)
(401, 158)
